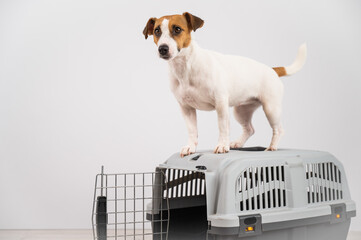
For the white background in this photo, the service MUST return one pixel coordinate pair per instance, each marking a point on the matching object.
(81, 88)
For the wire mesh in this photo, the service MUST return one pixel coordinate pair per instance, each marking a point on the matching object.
(130, 206)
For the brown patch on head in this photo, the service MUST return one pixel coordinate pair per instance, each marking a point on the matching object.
(194, 22)
(179, 26)
(180, 31)
(149, 28)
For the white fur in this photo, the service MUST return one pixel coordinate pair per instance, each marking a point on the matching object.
(207, 80)
(167, 39)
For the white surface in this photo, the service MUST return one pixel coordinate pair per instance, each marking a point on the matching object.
(46, 234)
(78, 235)
(80, 87)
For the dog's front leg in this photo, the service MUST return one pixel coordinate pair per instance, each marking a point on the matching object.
(190, 117)
(223, 125)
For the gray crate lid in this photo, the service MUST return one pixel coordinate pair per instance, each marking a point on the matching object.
(216, 162)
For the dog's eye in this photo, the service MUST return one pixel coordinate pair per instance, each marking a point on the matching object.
(177, 30)
(157, 32)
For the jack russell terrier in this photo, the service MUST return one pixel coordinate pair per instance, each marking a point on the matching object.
(206, 80)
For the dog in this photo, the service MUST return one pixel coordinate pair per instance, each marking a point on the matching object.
(201, 79)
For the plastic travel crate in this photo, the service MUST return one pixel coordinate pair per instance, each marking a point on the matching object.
(249, 194)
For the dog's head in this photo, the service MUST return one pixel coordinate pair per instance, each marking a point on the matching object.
(172, 33)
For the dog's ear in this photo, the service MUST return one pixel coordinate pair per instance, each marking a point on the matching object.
(148, 30)
(193, 22)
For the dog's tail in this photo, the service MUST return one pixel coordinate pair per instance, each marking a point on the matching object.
(296, 65)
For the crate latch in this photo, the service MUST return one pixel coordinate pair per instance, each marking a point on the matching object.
(250, 225)
(338, 213)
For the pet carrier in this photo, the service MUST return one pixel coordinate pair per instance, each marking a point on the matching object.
(245, 194)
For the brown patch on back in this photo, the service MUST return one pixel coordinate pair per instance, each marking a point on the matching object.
(281, 71)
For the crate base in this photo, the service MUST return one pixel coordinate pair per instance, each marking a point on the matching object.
(324, 231)
(184, 224)
(191, 224)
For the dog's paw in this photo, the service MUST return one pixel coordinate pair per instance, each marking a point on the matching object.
(187, 150)
(236, 144)
(221, 148)
(271, 149)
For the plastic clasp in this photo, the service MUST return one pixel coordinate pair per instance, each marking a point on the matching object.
(250, 225)
(338, 213)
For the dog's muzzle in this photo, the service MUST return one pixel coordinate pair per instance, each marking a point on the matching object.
(163, 51)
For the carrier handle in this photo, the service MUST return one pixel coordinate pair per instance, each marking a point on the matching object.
(250, 149)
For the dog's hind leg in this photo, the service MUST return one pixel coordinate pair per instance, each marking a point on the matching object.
(273, 114)
(243, 114)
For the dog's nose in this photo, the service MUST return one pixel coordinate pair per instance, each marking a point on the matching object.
(163, 49)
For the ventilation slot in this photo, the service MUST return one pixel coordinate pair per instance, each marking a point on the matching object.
(184, 183)
(262, 188)
(324, 182)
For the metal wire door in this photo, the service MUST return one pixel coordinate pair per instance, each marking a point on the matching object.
(130, 206)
